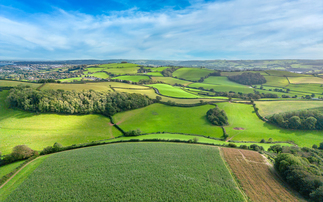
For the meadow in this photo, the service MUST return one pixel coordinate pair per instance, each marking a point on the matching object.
(276, 81)
(7, 83)
(159, 118)
(254, 129)
(191, 74)
(124, 172)
(177, 92)
(40, 130)
(6, 169)
(171, 80)
(298, 80)
(131, 78)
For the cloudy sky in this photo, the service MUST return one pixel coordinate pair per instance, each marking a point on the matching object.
(161, 29)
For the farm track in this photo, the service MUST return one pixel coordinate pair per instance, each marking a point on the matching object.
(258, 180)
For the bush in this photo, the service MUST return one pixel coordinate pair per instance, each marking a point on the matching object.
(217, 117)
(133, 133)
(232, 145)
(19, 152)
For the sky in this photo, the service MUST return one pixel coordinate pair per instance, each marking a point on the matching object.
(161, 29)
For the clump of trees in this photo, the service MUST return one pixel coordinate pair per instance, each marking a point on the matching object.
(305, 119)
(19, 152)
(169, 71)
(71, 102)
(217, 117)
(302, 168)
(248, 78)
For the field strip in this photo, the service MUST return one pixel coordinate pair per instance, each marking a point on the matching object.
(17, 173)
(245, 197)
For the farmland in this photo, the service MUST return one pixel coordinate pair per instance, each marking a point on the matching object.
(4, 83)
(169, 172)
(298, 80)
(159, 118)
(132, 78)
(191, 74)
(171, 80)
(172, 91)
(256, 177)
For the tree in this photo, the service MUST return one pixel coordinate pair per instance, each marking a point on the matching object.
(310, 123)
(217, 117)
(295, 122)
(275, 148)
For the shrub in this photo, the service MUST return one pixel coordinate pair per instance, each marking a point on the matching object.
(217, 117)
(232, 145)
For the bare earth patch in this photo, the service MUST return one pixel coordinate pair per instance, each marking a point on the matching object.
(238, 128)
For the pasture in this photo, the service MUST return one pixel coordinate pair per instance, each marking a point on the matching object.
(285, 73)
(124, 172)
(6, 169)
(171, 81)
(191, 74)
(7, 83)
(132, 78)
(276, 81)
(275, 107)
(177, 92)
(257, 178)
(223, 88)
(298, 80)
(159, 118)
(254, 129)
(40, 130)
(239, 73)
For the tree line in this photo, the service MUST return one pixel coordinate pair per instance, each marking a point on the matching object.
(248, 78)
(305, 119)
(169, 71)
(71, 102)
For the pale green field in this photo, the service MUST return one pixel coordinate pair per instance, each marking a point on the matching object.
(157, 69)
(101, 75)
(285, 73)
(6, 169)
(72, 79)
(38, 131)
(171, 81)
(223, 88)
(157, 74)
(222, 80)
(120, 68)
(276, 107)
(298, 80)
(276, 81)
(172, 91)
(239, 73)
(306, 89)
(7, 83)
(159, 118)
(192, 74)
(132, 78)
(242, 115)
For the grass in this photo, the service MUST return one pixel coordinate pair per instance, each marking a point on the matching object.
(307, 89)
(171, 81)
(157, 74)
(298, 80)
(120, 68)
(38, 131)
(223, 88)
(239, 73)
(159, 118)
(7, 83)
(101, 75)
(191, 74)
(168, 90)
(242, 115)
(256, 177)
(276, 81)
(132, 78)
(271, 107)
(284, 73)
(72, 79)
(221, 80)
(17, 180)
(124, 172)
(6, 169)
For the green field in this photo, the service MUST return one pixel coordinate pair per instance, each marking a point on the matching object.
(120, 68)
(159, 118)
(38, 131)
(243, 116)
(239, 73)
(191, 74)
(168, 90)
(72, 79)
(156, 74)
(171, 81)
(124, 172)
(276, 107)
(132, 78)
(101, 75)
(276, 81)
(306, 89)
(223, 88)
(284, 73)
(7, 83)
(298, 80)
(6, 169)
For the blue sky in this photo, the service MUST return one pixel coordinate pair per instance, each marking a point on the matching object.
(169, 30)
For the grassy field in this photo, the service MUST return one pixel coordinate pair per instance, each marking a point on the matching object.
(7, 83)
(171, 81)
(101, 75)
(6, 169)
(256, 177)
(17, 180)
(156, 74)
(72, 79)
(307, 89)
(192, 74)
(132, 78)
(223, 88)
(243, 116)
(38, 131)
(168, 90)
(298, 80)
(120, 68)
(276, 81)
(239, 73)
(285, 73)
(124, 172)
(275, 107)
(221, 80)
(159, 118)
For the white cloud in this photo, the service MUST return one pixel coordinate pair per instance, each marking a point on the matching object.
(246, 29)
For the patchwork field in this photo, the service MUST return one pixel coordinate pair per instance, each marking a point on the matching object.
(258, 179)
(170, 172)
(223, 88)
(177, 92)
(275, 107)
(298, 80)
(243, 116)
(171, 81)
(38, 131)
(191, 74)
(285, 73)
(132, 78)
(7, 83)
(159, 118)
(276, 81)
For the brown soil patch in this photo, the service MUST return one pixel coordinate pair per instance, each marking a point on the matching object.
(110, 124)
(258, 180)
(237, 128)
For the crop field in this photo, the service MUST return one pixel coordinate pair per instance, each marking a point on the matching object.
(307, 89)
(171, 81)
(168, 90)
(254, 129)
(276, 81)
(298, 80)
(274, 107)
(285, 73)
(132, 78)
(223, 88)
(6, 83)
(117, 68)
(156, 74)
(38, 131)
(191, 74)
(124, 172)
(159, 118)
(256, 177)
(239, 73)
